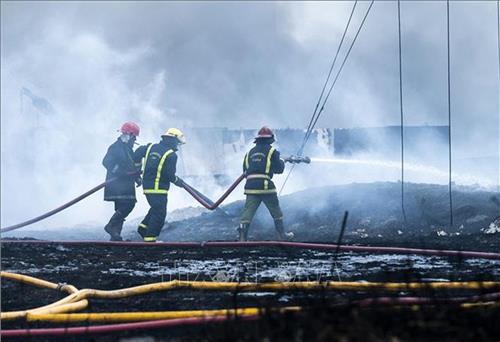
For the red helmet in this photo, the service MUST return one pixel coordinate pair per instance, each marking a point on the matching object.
(265, 132)
(130, 128)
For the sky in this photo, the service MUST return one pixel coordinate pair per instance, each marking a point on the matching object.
(89, 66)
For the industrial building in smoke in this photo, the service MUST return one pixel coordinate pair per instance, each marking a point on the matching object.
(218, 152)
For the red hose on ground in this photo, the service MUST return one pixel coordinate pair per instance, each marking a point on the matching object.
(201, 320)
(58, 209)
(100, 329)
(205, 201)
(282, 244)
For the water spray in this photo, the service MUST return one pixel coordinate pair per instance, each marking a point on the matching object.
(419, 168)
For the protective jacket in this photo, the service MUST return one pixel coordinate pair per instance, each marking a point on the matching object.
(159, 166)
(260, 164)
(119, 162)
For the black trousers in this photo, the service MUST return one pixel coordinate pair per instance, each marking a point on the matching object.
(155, 219)
(122, 209)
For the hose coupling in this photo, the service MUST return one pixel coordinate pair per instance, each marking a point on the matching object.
(60, 286)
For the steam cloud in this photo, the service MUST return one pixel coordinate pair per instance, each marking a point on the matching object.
(222, 64)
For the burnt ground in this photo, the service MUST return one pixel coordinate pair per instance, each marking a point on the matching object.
(314, 215)
(114, 267)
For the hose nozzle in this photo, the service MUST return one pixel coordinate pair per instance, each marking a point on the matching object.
(297, 159)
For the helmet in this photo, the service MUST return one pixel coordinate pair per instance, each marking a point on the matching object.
(176, 133)
(265, 132)
(130, 128)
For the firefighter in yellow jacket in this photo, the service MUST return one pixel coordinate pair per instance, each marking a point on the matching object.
(159, 169)
(260, 164)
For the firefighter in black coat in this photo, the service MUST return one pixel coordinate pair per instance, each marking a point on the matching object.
(159, 169)
(259, 165)
(120, 164)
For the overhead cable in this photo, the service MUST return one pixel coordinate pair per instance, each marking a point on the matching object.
(401, 116)
(316, 113)
(449, 112)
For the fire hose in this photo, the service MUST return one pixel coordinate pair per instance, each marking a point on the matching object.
(198, 196)
(162, 319)
(210, 205)
(78, 300)
(202, 199)
(58, 209)
(269, 244)
(120, 327)
(205, 201)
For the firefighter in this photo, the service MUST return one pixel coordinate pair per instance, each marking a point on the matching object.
(259, 165)
(119, 163)
(158, 172)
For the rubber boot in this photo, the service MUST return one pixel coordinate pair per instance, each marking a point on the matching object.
(142, 230)
(243, 231)
(114, 226)
(280, 229)
(118, 231)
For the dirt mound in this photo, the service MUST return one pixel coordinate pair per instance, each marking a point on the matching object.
(374, 213)
(375, 217)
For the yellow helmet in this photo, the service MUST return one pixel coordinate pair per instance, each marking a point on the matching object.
(176, 133)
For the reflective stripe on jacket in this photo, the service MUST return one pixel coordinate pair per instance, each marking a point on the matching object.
(260, 164)
(158, 168)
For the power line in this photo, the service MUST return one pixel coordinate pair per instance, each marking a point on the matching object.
(328, 77)
(449, 111)
(342, 66)
(309, 126)
(315, 116)
(402, 116)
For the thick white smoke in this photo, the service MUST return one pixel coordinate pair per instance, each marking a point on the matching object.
(224, 65)
(49, 157)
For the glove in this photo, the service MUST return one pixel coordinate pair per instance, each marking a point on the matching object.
(178, 182)
(138, 181)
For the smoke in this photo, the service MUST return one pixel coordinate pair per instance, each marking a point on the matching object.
(49, 157)
(220, 64)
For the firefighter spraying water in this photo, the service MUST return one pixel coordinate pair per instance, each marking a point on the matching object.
(260, 164)
(123, 167)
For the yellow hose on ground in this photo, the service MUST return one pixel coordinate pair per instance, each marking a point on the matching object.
(11, 315)
(38, 282)
(147, 316)
(481, 304)
(52, 308)
(315, 286)
(81, 295)
(68, 307)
